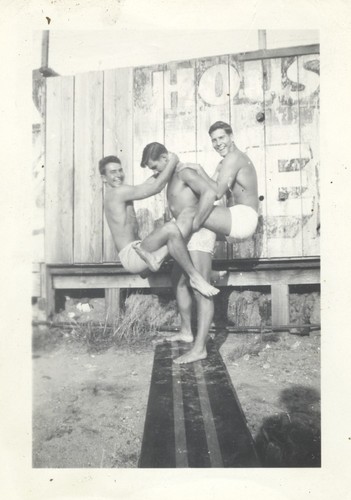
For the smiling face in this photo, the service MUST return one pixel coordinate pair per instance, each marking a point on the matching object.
(114, 174)
(222, 142)
(158, 165)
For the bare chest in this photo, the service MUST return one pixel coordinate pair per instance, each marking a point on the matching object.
(179, 196)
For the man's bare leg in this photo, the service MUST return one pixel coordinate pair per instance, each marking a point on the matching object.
(153, 260)
(170, 234)
(184, 303)
(205, 310)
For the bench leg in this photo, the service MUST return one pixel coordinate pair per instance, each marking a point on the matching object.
(280, 304)
(48, 291)
(112, 303)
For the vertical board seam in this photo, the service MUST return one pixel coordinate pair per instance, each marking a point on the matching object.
(74, 165)
(132, 123)
(300, 151)
(196, 93)
(46, 170)
(265, 219)
(103, 154)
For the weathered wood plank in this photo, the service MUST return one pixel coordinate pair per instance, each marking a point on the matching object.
(88, 133)
(246, 105)
(194, 428)
(235, 441)
(280, 52)
(281, 101)
(284, 217)
(309, 79)
(280, 304)
(180, 109)
(59, 171)
(148, 122)
(48, 291)
(112, 303)
(36, 284)
(246, 278)
(118, 138)
(158, 446)
(284, 222)
(213, 104)
(232, 265)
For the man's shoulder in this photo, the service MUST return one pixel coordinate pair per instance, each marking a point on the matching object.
(233, 159)
(116, 194)
(238, 158)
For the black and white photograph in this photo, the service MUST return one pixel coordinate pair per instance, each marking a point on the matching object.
(176, 284)
(175, 277)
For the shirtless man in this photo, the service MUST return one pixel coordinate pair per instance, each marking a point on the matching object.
(121, 218)
(236, 178)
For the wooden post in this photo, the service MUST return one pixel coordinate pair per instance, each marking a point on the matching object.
(112, 303)
(45, 49)
(48, 291)
(262, 39)
(280, 304)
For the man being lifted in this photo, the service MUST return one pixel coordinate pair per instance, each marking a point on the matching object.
(121, 218)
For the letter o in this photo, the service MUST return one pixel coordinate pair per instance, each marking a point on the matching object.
(213, 84)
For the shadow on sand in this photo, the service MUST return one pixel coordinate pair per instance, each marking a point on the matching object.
(292, 438)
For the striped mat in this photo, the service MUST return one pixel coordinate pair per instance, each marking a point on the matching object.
(193, 417)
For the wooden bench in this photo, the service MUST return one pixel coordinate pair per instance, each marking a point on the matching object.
(193, 416)
(278, 274)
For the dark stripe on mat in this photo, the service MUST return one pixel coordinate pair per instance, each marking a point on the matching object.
(198, 455)
(235, 440)
(158, 446)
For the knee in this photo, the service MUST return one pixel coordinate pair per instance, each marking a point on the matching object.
(172, 230)
(201, 300)
(182, 283)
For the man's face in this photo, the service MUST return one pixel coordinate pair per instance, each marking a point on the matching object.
(158, 165)
(221, 141)
(114, 174)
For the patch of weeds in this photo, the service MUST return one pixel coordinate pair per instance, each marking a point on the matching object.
(138, 324)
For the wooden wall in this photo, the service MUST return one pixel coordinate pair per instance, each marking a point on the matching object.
(120, 111)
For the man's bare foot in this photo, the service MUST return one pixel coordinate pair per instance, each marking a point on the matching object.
(201, 285)
(191, 356)
(181, 336)
(148, 257)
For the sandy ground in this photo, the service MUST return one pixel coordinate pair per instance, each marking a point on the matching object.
(89, 406)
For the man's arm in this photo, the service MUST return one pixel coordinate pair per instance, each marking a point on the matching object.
(227, 169)
(206, 193)
(151, 186)
(200, 170)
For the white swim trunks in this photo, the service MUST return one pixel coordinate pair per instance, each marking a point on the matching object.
(130, 260)
(203, 240)
(244, 222)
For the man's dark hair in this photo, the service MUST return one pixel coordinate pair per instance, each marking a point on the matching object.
(220, 125)
(152, 151)
(104, 161)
